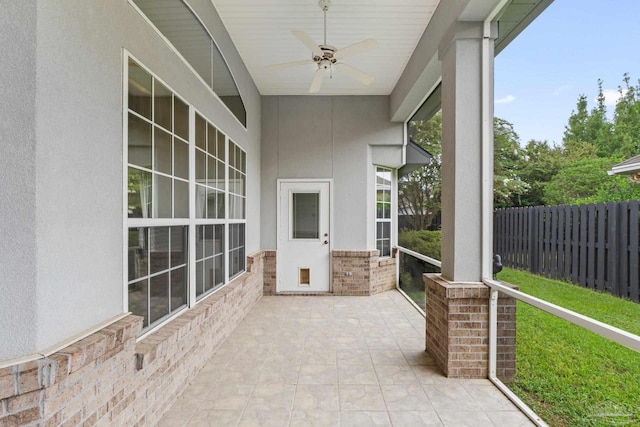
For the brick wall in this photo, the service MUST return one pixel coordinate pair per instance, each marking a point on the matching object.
(457, 329)
(362, 273)
(384, 277)
(109, 379)
(270, 271)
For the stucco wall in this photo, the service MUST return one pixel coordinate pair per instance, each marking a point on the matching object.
(326, 137)
(73, 167)
(17, 174)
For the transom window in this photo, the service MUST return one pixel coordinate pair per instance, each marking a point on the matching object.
(383, 211)
(167, 271)
(182, 28)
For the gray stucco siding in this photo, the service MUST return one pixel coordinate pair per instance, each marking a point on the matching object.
(69, 171)
(17, 176)
(326, 137)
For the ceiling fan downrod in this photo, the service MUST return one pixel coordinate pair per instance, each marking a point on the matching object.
(324, 5)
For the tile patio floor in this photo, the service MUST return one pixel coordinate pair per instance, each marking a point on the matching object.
(334, 361)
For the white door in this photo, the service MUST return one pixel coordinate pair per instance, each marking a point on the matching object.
(303, 237)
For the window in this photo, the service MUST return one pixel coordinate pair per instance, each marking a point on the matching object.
(190, 38)
(160, 254)
(305, 216)
(237, 208)
(383, 211)
(157, 281)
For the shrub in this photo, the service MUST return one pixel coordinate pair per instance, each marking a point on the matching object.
(426, 242)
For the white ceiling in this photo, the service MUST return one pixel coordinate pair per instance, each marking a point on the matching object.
(261, 31)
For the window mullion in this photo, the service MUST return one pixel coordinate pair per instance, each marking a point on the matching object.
(227, 229)
(191, 280)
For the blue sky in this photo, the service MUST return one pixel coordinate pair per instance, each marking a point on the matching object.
(561, 55)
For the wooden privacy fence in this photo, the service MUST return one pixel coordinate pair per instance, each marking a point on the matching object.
(595, 246)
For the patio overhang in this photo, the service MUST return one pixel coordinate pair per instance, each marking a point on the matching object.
(628, 167)
(422, 75)
(416, 157)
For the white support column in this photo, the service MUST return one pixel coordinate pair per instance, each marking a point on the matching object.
(461, 53)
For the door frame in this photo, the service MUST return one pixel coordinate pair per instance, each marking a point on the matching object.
(280, 181)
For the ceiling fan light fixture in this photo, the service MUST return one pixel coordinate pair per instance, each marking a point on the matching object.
(326, 56)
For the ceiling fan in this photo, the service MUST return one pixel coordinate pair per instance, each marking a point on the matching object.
(327, 57)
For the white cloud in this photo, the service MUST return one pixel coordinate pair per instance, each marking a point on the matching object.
(611, 97)
(561, 89)
(507, 99)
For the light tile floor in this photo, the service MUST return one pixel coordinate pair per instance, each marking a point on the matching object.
(334, 361)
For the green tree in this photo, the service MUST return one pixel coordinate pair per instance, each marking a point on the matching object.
(539, 163)
(626, 119)
(419, 192)
(577, 180)
(589, 129)
(592, 144)
(507, 160)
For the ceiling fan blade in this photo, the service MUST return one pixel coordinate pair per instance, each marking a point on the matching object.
(356, 48)
(308, 42)
(354, 73)
(289, 65)
(316, 83)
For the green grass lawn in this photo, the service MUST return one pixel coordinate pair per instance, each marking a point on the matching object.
(570, 376)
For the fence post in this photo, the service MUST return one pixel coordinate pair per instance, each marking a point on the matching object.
(613, 263)
(634, 252)
(533, 239)
(623, 278)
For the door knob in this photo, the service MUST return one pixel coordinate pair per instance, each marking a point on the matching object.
(326, 242)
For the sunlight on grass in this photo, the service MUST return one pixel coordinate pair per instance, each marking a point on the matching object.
(570, 376)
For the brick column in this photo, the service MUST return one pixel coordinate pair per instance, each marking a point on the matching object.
(270, 269)
(457, 329)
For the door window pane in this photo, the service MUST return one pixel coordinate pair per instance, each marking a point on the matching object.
(305, 215)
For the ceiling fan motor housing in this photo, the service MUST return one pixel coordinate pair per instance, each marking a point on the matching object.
(327, 56)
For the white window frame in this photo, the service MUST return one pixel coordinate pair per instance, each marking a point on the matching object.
(191, 222)
(389, 220)
(193, 70)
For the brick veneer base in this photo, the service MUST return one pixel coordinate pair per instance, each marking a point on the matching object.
(457, 329)
(110, 379)
(370, 274)
(362, 273)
